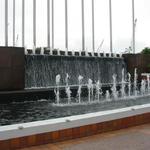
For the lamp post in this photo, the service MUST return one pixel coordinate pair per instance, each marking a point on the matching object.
(110, 26)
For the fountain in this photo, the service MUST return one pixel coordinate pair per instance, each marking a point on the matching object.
(143, 87)
(135, 81)
(80, 78)
(114, 87)
(93, 94)
(48, 66)
(123, 84)
(98, 90)
(129, 84)
(107, 96)
(90, 89)
(148, 83)
(123, 93)
(68, 92)
(57, 90)
(67, 88)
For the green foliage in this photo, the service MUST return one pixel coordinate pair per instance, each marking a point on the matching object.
(148, 66)
(146, 50)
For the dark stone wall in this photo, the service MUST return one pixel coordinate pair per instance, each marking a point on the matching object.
(11, 68)
(41, 70)
(139, 61)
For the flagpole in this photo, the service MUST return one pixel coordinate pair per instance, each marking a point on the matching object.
(14, 21)
(6, 22)
(93, 27)
(133, 27)
(48, 23)
(23, 22)
(34, 23)
(52, 24)
(66, 25)
(83, 30)
(110, 25)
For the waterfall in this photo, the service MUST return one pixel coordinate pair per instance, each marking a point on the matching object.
(41, 70)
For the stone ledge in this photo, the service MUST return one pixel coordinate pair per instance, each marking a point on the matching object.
(72, 133)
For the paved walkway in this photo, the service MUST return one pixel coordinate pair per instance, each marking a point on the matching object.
(136, 138)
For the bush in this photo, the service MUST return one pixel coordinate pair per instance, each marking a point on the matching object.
(146, 50)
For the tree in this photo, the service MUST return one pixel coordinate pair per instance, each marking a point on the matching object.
(146, 50)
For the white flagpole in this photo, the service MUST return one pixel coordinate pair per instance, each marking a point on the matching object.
(110, 24)
(23, 22)
(93, 27)
(6, 22)
(66, 25)
(48, 23)
(14, 21)
(52, 24)
(34, 23)
(133, 28)
(83, 30)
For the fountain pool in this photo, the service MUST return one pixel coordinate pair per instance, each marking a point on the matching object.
(128, 94)
(14, 113)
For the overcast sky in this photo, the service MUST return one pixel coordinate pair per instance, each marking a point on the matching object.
(122, 24)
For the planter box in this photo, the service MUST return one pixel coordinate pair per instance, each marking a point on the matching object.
(11, 68)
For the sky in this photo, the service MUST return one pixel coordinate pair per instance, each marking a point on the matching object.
(121, 24)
